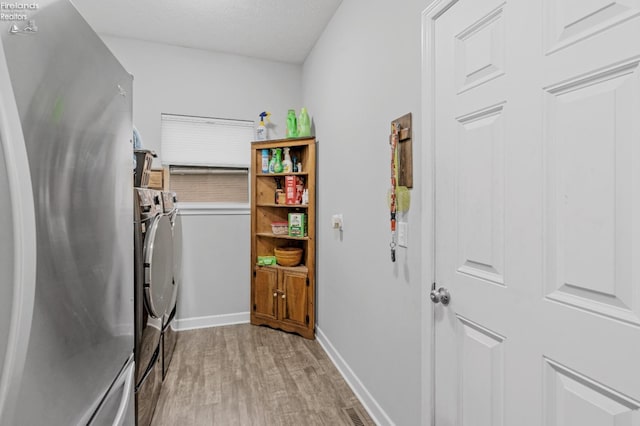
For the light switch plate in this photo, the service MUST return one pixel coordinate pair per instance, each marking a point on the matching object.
(337, 221)
(403, 231)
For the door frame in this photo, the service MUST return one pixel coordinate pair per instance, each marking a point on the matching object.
(429, 15)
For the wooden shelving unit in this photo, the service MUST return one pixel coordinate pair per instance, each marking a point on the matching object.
(283, 297)
(283, 206)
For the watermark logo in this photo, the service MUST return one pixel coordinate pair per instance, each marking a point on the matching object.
(17, 12)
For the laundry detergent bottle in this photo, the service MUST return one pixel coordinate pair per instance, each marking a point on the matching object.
(265, 161)
(287, 164)
(304, 123)
(292, 124)
(277, 167)
(272, 162)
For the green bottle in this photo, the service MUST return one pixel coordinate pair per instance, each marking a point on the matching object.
(277, 167)
(272, 162)
(292, 124)
(304, 124)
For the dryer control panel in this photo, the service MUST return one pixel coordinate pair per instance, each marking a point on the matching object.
(168, 201)
(150, 202)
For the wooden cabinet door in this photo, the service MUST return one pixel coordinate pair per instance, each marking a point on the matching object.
(265, 291)
(293, 302)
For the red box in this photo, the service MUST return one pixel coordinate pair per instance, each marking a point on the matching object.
(290, 189)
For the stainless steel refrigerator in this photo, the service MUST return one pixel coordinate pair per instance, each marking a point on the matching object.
(66, 225)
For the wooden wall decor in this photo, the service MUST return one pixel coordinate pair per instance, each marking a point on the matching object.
(405, 156)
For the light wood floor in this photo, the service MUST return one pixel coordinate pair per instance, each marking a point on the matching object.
(250, 375)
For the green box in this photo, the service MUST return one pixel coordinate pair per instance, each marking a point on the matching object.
(266, 260)
(297, 224)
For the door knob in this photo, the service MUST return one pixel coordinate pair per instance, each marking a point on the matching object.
(440, 295)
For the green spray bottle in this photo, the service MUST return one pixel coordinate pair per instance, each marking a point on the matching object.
(277, 167)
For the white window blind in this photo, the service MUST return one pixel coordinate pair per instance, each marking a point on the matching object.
(202, 141)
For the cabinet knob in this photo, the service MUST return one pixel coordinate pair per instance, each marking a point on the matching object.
(284, 295)
(275, 294)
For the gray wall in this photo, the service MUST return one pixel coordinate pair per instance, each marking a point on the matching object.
(178, 80)
(364, 72)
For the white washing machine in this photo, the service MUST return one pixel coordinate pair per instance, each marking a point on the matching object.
(169, 332)
(153, 290)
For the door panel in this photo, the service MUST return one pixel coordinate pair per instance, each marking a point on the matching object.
(590, 196)
(265, 287)
(17, 246)
(481, 374)
(76, 121)
(480, 51)
(536, 134)
(471, 122)
(571, 21)
(480, 176)
(294, 305)
(573, 399)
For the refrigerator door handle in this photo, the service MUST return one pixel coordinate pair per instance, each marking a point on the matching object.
(126, 397)
(23, 267)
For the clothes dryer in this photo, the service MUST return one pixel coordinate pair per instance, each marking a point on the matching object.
(169, 332)
(153, 285)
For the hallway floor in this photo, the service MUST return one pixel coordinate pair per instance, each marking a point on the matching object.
(248, 375)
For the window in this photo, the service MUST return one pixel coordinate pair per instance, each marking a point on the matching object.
(210, 184)
(207, 158)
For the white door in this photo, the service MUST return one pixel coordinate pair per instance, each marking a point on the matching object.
(536, 129)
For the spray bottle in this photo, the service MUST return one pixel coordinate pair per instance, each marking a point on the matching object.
(287, 164)
(261, 131)
(272, 162)
(277, 167)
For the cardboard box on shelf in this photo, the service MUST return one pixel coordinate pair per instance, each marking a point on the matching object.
(290, 189)
(297, 224)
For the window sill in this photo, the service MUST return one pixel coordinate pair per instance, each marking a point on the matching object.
(206, 209)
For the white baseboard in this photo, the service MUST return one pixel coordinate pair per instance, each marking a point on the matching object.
(211, 321)
(370, 404)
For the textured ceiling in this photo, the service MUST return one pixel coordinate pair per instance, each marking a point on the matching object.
(280, 30)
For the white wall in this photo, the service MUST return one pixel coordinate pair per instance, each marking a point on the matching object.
(216, 270)
(178, 80)
(364, 72)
